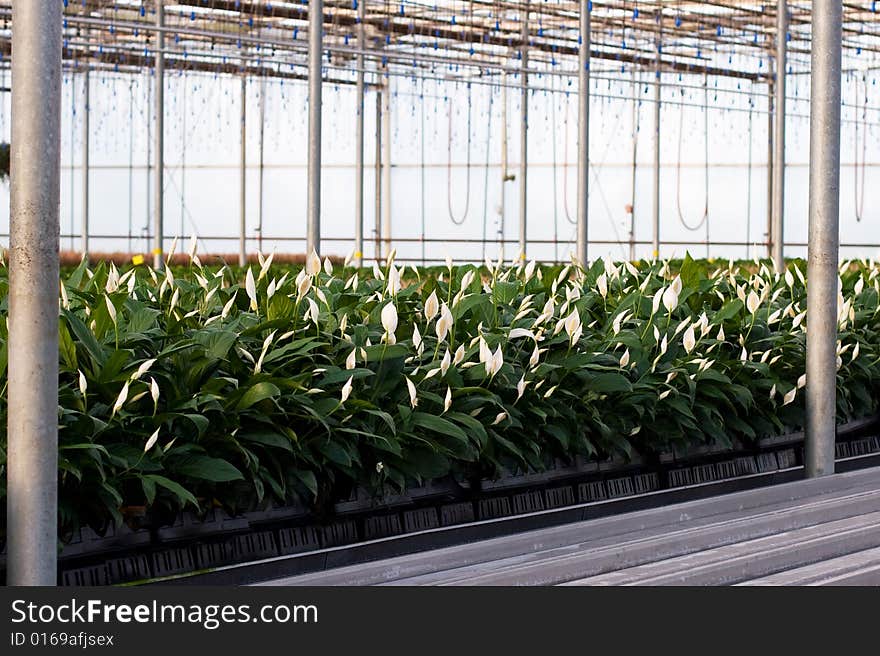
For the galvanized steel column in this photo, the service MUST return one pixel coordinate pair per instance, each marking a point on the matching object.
(583, 133)
(779, 156)
(242, 171)
(359, 141)
(505, 177)
(377, 175)
(262, 168)
(316, 29)
(655, 241)
(770, 96)
(524, 134)
(85, 162)
(159, 185)
(822, 252)
(32, 428)
(386, 166)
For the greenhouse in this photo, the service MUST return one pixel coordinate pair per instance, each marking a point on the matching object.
(465, 292)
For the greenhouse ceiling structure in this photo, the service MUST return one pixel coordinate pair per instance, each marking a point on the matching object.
(519, 45)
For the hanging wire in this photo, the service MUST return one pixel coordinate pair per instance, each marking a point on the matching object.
(422, 169)
(467, 194)
(555, 194)
(859, 189)
(635, 164)
(486, 174)
(568, 217)
(696, 226)
(749, 180)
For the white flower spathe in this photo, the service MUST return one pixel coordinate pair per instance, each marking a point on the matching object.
(251, 288)
(689, 340)
(670, 299)
(753, 302)
(432, 306)
(413, 399)
(313, 263)
(445, 362)
(346, 390)
(152, 441)
(389, 318)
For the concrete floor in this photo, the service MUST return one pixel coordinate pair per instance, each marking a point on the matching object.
(812, 532)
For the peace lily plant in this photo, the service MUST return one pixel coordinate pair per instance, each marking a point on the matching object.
(203, 386)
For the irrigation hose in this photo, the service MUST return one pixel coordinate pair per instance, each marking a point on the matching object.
(703, 220)
(467, 195)
(859, 193)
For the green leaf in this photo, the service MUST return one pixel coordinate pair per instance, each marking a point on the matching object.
(267, 438)
(85, 336)
(259, 392)
(182, 494)
(335, 453)
(610, 382)
(438, 424)
(730, 310)
(308, 479)
(206, 468)
(66, 347)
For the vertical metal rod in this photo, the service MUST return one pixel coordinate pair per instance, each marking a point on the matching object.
(377, 212)
(85, 161)
(242, 181)
(583, 182)
(505, 175)
(635, 153)
(779, 157)
(823, 241)
(149, 168)
(386, 166)
(183, 140)
(130, 160)
(72, 155)
(32, 427)
(359, 141)
(657, 106)
(770, 94)
(262, 148)
(159, 183)
(524, 135)
(316, 35)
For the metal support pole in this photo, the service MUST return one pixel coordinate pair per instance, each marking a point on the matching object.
(149, 168)
(779, 157)
(377, 212)
(159, 186)
(770, 95)
(359, 142)
(262, 148)
(130, 160)
(32, 427)
(505, 175)
(242, 181)
(657, 79)
(524, 135)
(635, 153)
(583, 133)
(183, 138)
(823, 241)
(86, 131)
(316, 35)
(386, 167)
